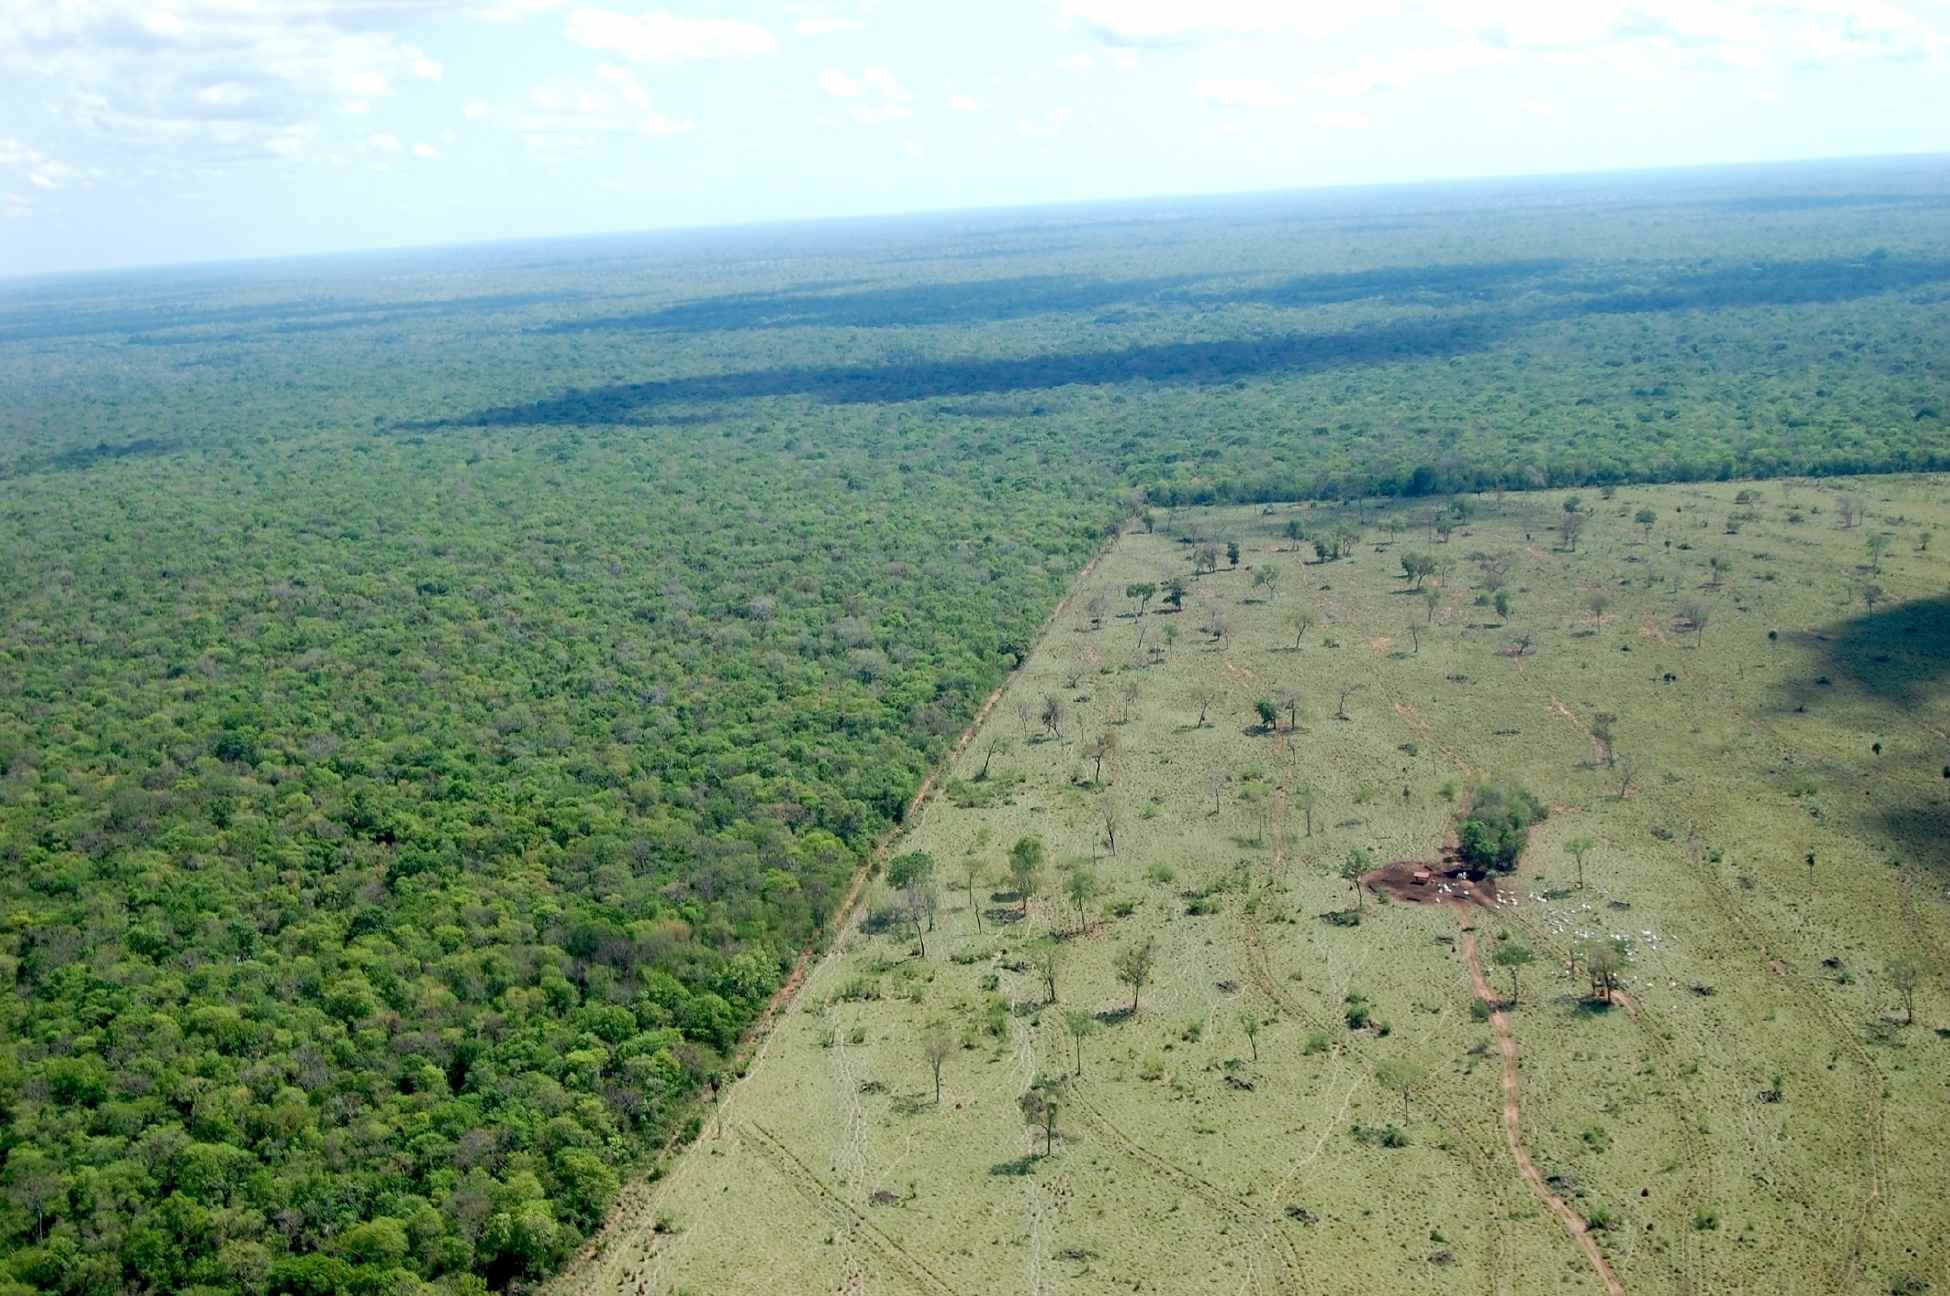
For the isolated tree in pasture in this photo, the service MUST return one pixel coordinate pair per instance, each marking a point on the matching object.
(974, 873)
(1626, 769)
(1249, 1023)
(1103, 748)
(1216, 781)
(1171, 638)
(1046, 957)
(1573, 504)
(1141, 592)
(1025, 713)
(997, 744)
(1295, 532)
(1597, 603)
(1904, 974)
(1128, 695)
(1267, 578)
(1216, 625)
(1849, 512)
(912, 875)
(1444, 528)
(1646, 519)
(1081, 887)
(1431, 601)
(1269, 715)
(1696, 614)
(1871, 595)
(1095, 607)
(1604, 727)
(1414, 631)
(1516, 957)
(1305, 798)
(1112, 818)
(1417, 568)
(937, 1047)
(1290, 703)
(1399, 1075)
(1301, 621)
(1081, 1026)
(1026, 869)
(1359, 861)
(1175, 591)
(1039, 1109)
(1347, 691)
(1579, 847)
(1203, 697)
(1232, 553)
(1719, 566)
(1133, 965)
(1569, 527)
(1501, 602)
(1604, 963)
(1052, 715)
(1205, 558)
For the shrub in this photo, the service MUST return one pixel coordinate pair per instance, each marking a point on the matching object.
(1500, 818)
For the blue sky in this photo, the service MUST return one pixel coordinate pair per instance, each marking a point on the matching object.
(153, 131)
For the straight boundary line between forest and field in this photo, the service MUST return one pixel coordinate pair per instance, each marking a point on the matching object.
(621, 1218)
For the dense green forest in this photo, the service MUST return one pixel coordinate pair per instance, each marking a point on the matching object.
(440, 692)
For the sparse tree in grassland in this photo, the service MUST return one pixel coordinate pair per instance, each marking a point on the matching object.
(1597, 603)
(1501, 602)
(1878, 546)
(1216, 781)
(1301, 621)
(1171, 638)
(1203, 697)
(1569, 527)
(1081, 1026)
(1516, 957)
(1039, 1108)
(1431, 601)
(1417, 568)
(1112, 818)
(997, 744)
(1269, 715)
(1295, 532)
(1046, 956)
(1133, 966)
(1205, 558)
(1081, 888)
(1871, 595)
(974, 873)
(1604, 727)
(1626, 769)
(1175, 591)
(1290, 703)
(1347, 691)
(1359, 861)
(1026, 869)
(1579, 848)
(937, 1047)
(1696, 615)
(1141, 592)
(1095, 607)
(1052, 715)
(1249, 1022)
(1849, 512)
(1603, 964)
(1305, 798)
(1415, 637)
(1232, 553)
(1719, 566)
(1646, 519)
(912, 875)
(1025, 713)
(1904, 974)
(1399, 1075)
(1102, 749)
(1267, 578)
(1444, 528)
(1217, 626)
(1129, 696)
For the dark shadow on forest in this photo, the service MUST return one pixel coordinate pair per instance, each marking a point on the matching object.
(146, 324)
(1181, 362)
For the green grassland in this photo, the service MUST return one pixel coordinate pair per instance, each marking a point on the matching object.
(1757, 1117)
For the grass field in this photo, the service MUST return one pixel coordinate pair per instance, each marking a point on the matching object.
(1754, 1115)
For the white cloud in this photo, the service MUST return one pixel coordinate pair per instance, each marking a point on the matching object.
(656, 36)
(820, 25)
(1176, 22)
(14, 207)
(41, 171)
(555, 113)
(1539, 108)
(1342, 120)
(1043, 127)
(882, 98)
(426, 151)
(383, 142)
(1408, 67)
(962, 103)
(1243, 92)
(1077, 63)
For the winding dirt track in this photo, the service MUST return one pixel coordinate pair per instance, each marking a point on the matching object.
(1574, 1223)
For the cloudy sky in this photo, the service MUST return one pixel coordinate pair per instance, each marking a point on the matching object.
(149, 131)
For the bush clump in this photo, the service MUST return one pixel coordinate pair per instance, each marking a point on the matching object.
(1500, 819)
